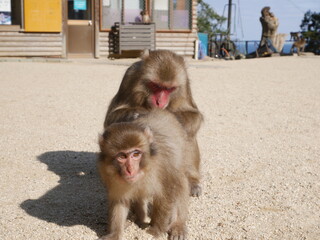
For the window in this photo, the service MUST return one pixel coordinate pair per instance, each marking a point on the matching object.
(112, 10)
(79, 9)
(181, 14)
(168, 15)
(132, 10)
(111, 13)
(172, 14)
(160, 14)
(10, 12)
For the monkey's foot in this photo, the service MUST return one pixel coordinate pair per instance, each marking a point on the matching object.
(196, 190)
(109, 237)
(142, 225)
(177, 233)
(155, 231)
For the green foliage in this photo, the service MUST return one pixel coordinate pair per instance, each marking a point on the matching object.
(310, 27)
(208, 20)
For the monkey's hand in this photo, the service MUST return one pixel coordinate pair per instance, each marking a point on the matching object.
(124, 114)
(110, 237)
(190, 120)
(177, 232)
(135, 113)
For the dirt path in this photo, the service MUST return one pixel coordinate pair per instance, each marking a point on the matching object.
(260, 148)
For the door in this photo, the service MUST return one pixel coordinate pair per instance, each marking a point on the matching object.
(80, 38)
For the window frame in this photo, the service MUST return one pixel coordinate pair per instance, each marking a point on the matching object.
(171, 29)
(122, 17)
(149, 7)
(15, 27)
(101, 17)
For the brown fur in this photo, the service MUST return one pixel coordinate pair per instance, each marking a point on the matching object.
(163, 180)
(132, 100)
(145, 17)
(295, 36)
(299, 45)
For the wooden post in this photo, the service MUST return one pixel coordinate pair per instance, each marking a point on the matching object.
(64, 31)
(122, 11)
(170, 14)
(96, 19)
(247, 47)
(229, 17)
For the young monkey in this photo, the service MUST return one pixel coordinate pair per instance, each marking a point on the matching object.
(142, 162)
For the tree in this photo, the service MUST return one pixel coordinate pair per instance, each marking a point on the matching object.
(310, 27)
(208, 20)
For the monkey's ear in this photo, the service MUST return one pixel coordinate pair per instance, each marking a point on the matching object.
(145, 53)
(149, 134)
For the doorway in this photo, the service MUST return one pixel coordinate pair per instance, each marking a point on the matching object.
(80, 38)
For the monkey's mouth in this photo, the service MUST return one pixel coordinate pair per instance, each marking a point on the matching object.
(132, 178)
(160, 99)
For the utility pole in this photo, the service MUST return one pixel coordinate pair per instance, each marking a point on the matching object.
(122, 11)
(229, 17)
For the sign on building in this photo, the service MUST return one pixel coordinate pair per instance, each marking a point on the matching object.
(5, 12)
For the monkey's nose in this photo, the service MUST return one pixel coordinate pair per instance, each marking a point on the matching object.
(129, 170)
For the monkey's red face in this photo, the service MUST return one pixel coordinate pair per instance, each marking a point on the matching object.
(160, 96)
(129, 162)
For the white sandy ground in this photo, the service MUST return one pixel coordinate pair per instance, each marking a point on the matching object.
(260, 147)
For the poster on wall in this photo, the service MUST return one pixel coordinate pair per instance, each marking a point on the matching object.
(80, 5)
(5, 12)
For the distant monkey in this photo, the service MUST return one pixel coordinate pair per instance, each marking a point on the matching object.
(295, 36)
(299, 45)
(145, 16)
(142, 162)
(160, 80)
(269, 25)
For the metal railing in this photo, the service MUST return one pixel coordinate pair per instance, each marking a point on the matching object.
(249, 46)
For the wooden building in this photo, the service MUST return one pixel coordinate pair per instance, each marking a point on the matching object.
(81, 28)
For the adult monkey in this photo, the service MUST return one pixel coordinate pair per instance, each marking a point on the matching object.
(160, 80)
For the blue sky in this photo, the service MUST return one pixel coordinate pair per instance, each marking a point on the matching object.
(289, 12)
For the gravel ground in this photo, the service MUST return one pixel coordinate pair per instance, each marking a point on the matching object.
(260, 147)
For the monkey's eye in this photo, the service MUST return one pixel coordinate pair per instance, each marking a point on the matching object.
(136, 154)
(170, 89)
(154, 87)
(121, 157)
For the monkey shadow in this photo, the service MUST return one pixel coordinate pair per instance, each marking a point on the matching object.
(80, 197)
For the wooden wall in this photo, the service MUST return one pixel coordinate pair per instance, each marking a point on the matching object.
(30, 44)
(181, 43)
